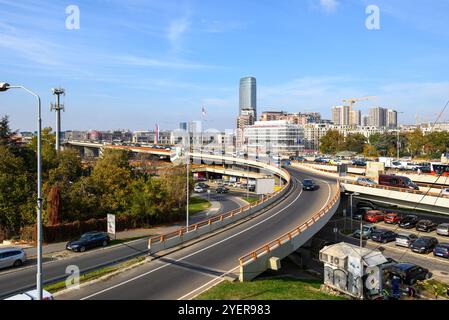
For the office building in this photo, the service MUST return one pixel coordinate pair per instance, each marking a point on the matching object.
(248, 95)
(392, 119)
(183, 126)
(297, 118)
(276, 137)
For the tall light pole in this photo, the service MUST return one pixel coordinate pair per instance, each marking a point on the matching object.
(58, 107)
(4, 87)
(188, 179)
(398, 140)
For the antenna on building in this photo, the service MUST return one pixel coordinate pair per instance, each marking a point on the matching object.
(58, 107)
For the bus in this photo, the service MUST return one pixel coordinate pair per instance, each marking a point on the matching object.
(439, 169)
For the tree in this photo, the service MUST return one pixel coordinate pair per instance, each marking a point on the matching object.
(332, 142)
(355, 142)
(49, 158)
(370, 151)
(415, 142)
(54, 205)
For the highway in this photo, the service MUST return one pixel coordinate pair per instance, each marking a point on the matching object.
(19, 280)
(190, 270)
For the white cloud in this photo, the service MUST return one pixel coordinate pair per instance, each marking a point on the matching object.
(329, 5)
(176, 30)
(150, 62)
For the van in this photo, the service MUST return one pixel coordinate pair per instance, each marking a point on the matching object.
(397, 181)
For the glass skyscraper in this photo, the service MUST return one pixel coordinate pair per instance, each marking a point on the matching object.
(248, 95)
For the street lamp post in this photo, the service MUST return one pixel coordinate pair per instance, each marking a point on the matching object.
(350, 197)
(4, 87)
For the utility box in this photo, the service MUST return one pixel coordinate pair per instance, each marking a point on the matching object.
(265, 186)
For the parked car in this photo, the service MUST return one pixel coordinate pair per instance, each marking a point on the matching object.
(366, 204)
(426, 225)
(31, 295)
(222, 190)
(397, 182)
(392, 218)
(359, 213)
(198, 189)
(424, 244)
(359, 163)
(441, 250)
(309, 184)
(367, 230)
(405, 239)
(12, 257)
(443, 229)
(409, 273)
(383, 236)
(409, 221)
(89, 240)
(365, 182)
(445, 191)
(374, 216)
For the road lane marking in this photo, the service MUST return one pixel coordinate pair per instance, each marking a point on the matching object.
(199, 251)
(208, 247)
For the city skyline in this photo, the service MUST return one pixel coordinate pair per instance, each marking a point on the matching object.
(185, 56)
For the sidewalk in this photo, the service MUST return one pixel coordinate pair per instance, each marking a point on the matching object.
(52, 248)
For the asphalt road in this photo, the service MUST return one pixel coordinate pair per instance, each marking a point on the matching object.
(192, 269)
(18, 280)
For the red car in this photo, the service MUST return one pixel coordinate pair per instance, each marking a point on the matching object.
(374, 216)
(392, 218)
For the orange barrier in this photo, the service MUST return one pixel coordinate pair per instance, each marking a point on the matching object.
(221, 217)
(288, 236)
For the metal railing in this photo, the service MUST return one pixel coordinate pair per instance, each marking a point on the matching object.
(288, 236)
(221, 217)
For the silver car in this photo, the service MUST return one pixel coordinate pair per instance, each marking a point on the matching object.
(443, 229)
(12, 257)
(405, 239)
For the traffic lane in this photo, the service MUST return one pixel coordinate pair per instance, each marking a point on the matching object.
(22, 279)
(199, 264)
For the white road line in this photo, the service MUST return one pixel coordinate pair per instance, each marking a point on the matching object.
(195, 253)
(206, 248)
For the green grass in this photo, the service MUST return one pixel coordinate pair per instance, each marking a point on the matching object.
(250, 200)
(197, 205)
(271, 289)
(61, 285)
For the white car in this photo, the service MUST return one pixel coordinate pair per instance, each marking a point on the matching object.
(12, 257)
(31, 295)
(198, 189)
(445, 191)
(365, 182)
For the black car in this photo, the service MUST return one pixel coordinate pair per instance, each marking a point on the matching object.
(383, 236)
(441, 250)
(426, 226)
(409, 273)
(409, 221)
(89, 240)
(366, 204)
(203, 185)
(359, 163)
(424, 244)
(309, 184)
(222, 190)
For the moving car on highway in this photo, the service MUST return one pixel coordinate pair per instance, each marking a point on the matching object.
(222, 190)
(89, 240)
(309, 185)
(31, 295)
(405, 239)
(383, 236)
(202, 185)
(367, 182)
(443, 229)
(12, 257)
(409, 273)
(426, 225)
(198, 189)
(397, 182)
(441, 250)
(409, 221)
(424, 244)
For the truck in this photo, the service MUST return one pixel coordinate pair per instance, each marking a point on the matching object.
(390, 163)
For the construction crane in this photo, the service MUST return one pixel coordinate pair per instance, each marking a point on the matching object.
(352, 101)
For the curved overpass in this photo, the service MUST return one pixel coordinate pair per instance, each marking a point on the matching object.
(189, 270)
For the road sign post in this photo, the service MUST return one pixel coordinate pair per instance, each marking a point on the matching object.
(111, 224)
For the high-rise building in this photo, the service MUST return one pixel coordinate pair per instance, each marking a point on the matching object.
(392, 119)
(365, 121)
(355, 118)
(378, 117)
(340, 115)
(248, 95)
(297, 118)
(247, 118)
(183, 126)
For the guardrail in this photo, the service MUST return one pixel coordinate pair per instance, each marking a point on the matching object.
(285, 240)
(196, 230)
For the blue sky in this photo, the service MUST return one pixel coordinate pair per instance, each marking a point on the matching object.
(136, 63)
